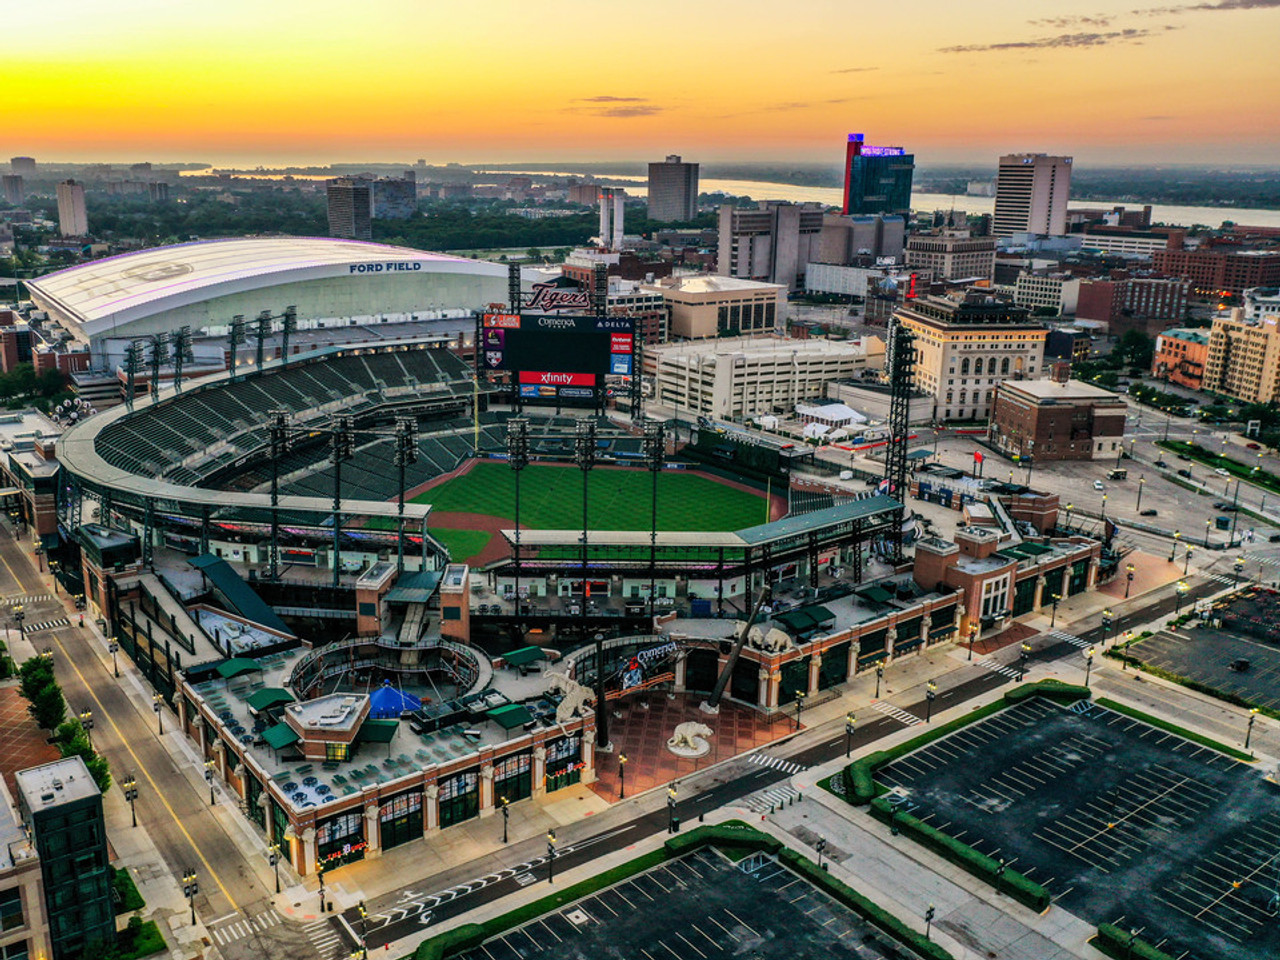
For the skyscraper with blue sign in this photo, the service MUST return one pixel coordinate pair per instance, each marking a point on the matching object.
(877, 179)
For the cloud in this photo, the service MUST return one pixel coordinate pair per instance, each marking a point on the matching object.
(1219, 6)
(1061, 41)
(856, 70)
(617, 107)
(608, 99)
(1157, 117)
(639, 110)
(1062, 23)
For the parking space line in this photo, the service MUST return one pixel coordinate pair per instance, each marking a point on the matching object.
(663, 944)
(543, 921)
(727, 933)
(741, 921)
(691, 946)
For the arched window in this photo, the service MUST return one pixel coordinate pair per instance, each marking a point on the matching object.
(1004, 366)
(977, 366)
(964, 367)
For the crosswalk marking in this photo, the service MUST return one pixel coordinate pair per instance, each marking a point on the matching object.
(770, 799)
(323, 937)
(1265, 561)
(23, 601)
(995, 666)
(889, 710)
(243, 928)
(1070, 638)
(45, 625)
(777, 763)
(1221, 578)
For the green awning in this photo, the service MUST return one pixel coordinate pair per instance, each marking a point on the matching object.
(523, 656)
(377, 731)
(237, 666)
(877, 595)
(920, 454)
(805, 619)
(510, 715)
(280, 736)
(269, 697)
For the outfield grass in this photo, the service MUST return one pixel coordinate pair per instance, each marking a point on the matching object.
(461, 544)
(551, 499)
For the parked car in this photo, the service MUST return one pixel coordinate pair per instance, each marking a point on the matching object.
(1185, 473)
(1147, 513)
(1161, 463)
(1240, 665)
(1222, 472)
(1253, 446)
(1097, 485)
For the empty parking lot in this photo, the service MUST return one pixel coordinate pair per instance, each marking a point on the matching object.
(1120, 821)
(700, 907)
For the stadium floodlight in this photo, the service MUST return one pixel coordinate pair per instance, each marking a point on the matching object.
(518, 459)
(654, 452)
(406, 453)
(584, 455)
(341, 436)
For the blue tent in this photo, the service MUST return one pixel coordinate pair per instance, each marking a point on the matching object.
(389, 703)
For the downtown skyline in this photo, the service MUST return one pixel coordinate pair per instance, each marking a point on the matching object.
(497, 81)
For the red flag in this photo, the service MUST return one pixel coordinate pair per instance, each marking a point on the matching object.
(977, 456)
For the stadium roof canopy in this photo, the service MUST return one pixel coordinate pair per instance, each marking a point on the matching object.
(102, 295)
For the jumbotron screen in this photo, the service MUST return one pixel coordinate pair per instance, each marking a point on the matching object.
(551, 350)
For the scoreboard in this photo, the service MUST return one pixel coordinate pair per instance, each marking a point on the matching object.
(554, 357)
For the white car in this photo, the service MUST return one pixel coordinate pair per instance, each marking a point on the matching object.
(1097, 485)
(1222, 472)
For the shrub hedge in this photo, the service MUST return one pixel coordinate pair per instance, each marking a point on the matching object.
(1174, 728)
(127, 892)
(1025, 891)
(1114, 942)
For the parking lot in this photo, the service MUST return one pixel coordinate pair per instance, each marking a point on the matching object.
(1120, 821)
(1205, 655)
(700, 907)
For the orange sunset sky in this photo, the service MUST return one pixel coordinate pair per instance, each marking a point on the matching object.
(277, 81)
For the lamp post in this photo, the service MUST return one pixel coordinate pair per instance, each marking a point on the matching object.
(189, 890)
(208, 776)
(53, 574)
(1054, 619)
(1208, 524)
(364, 944)
(1177, 535)
(320, 874)
(850, 721)
(1124, 655)
(1237, 567)
(973, 635)
(622, 776)
(1023, 656)
(1088, 665)
(1070, 507)
(156, 700)
(551, 856)
(999, 875)
(673, 825)
(273, 858)
(799, 706)
(130, 787)
(1181, 593)
(1106, 625)
(879, 677)
(928, 920)
(1128, 579)
(506, 816)
(19, 614)
(113, 647)
(1142, 482)
(86, 722)
(1104, 506)
(820, 846)
(1248, 734)
(931, 691)
(1187, 560)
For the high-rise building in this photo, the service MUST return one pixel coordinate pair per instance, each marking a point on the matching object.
(73, 218)
(953, 255)
(852, 240)
(773, 242)
(1031, 194)
(612, 217)
(1221, 269)
(349, 208)
(15, 190)
(673, 190)
(1244, 358)
(61, 807)
(877, 179)
(393, 199)
(23, 166)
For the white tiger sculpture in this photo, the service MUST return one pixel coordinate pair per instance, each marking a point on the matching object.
(574, 696)
(691, 736)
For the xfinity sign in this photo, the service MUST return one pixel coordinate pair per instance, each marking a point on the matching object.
(385, 267)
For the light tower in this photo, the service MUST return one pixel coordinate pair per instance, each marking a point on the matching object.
(900, 363)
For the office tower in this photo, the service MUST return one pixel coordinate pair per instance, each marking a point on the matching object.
(394, 199)
(23, 166)
(157, 190)
(673, 190)
(73, 219)
(61, 807)
(1031, 194)
(773, 242)
(612, 215)
(953, 255)
(876, 179)
(349, 209)
(14, 190)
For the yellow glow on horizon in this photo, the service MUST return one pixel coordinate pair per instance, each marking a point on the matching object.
(496, 79)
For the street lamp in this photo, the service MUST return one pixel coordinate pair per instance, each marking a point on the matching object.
(130, 787)
(189, 890)
(273, 857)
(973, 635)
(1106, 625)
(1128, 579)
(1142, 481)
(19, 614)
(1181, 593)
(156, 700)
(1187, 560)
(1054, 619)
(673, 824)
(551, 856)
(506, 816)
(622, 776)
(850, 721)
(999, 875)
(208, 776)
(931, 691)
(1124, 654)
(928, 920)
(86, 722)
(1104, 506)
(820, 845)
(364, 945)
(113, 646)
(1207, 525)
(1238, 566)
(879, 677)
(799, 706)
(1177, 535)
(1070, 507)
(53, 574)
(1088, 665)
(1248, 734)
(1023, 656)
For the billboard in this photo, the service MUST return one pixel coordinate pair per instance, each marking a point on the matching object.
(546, 345)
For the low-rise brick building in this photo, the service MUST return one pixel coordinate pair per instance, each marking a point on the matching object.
(1057, 420)
(1180, 357)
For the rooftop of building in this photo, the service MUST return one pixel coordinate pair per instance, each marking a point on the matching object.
(715, 283)
(1188, 334)
(1048, 390)
(15, 846)
(56, 783)
(693, 350)
(20, 428)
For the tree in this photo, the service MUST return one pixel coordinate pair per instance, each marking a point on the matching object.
(35, 673)
(1137, 348)
(48, 706)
